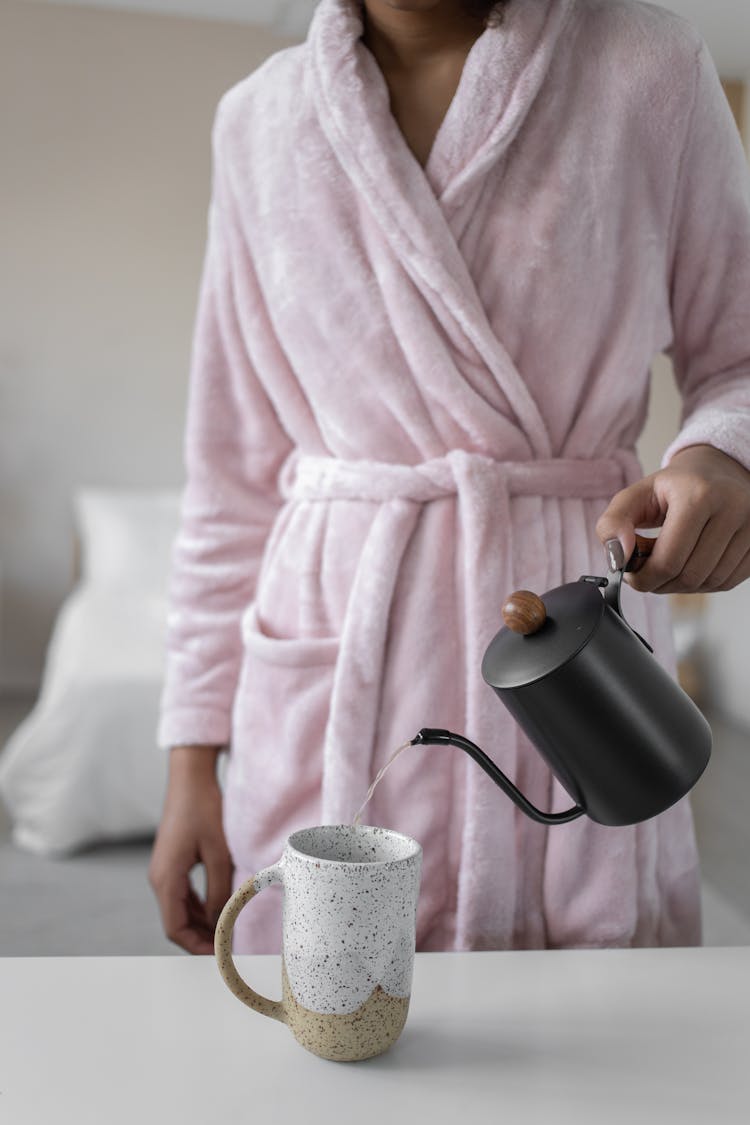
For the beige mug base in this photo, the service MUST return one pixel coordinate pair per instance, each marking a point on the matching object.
(362, 1034)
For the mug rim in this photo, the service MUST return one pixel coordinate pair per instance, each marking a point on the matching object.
(414, 847)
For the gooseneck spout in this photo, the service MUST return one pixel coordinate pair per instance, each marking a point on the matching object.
(435, 737)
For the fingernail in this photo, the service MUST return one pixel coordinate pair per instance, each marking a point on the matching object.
(615, 554)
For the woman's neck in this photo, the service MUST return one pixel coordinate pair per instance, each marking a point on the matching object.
(405, 35)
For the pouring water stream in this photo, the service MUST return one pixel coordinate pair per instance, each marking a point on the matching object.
(378, 777)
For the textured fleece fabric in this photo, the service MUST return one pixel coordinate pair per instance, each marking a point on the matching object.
(414, 390)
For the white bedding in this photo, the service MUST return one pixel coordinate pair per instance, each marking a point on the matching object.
(84, 767)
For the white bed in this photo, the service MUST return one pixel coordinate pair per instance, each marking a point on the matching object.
(84, 767)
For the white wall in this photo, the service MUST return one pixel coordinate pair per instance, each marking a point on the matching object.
(724, 23)
(282, 17)
(103, 196)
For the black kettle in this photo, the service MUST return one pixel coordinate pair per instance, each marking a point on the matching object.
(615, 728)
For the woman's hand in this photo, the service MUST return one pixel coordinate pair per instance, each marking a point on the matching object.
(191, 832)
(701, 502)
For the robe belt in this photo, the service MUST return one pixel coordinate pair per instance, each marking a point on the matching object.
(483, 487)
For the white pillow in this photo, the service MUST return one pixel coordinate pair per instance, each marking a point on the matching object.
(84, 765)
(126, 535)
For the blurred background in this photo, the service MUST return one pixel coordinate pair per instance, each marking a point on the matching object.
(105, 118)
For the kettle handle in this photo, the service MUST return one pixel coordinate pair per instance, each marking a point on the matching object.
(611, 588)
(612, 584)
(644, 545)
(445, 737)
(643, 548)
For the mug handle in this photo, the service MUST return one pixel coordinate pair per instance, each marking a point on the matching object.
(223, 943)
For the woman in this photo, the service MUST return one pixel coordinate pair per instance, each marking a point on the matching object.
(441, 258)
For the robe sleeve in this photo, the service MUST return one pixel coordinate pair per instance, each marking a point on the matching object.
(710, 276)
(234, 446)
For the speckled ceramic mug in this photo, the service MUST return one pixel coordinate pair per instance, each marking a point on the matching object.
(349, 933)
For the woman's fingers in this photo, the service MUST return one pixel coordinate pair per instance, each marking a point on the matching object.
(731, 568)
(739, 574)
(219, 869)
(678, 538)
(191, 834)
(690, 568)
(701, 502)
(183, 917)
(637, 505)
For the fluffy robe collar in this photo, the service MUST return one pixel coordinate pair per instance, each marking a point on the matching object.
(414, 206)
(500, 79)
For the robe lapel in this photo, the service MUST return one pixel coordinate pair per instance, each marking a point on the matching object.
(500, 79)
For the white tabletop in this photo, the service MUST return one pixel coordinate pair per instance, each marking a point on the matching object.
(643, 1037)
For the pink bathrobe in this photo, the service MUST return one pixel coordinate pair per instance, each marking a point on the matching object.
(414, 391)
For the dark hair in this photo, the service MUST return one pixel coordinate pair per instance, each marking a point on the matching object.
(492, 11)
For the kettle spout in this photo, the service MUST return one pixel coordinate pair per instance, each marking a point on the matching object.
(436, 737)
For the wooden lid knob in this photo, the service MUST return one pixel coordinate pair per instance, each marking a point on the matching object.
(524, 612)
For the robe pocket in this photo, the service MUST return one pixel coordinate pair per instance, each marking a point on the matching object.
(279, 721)
(290, 651)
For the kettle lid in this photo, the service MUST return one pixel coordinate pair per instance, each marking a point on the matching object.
(573, 612)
